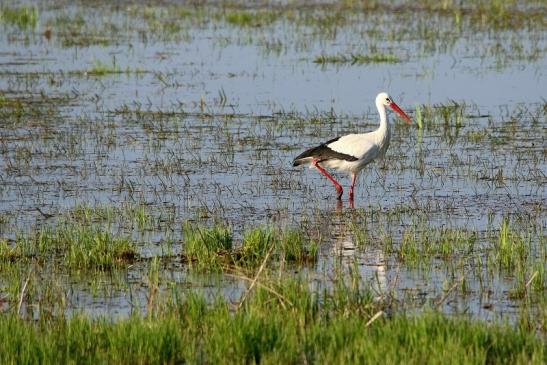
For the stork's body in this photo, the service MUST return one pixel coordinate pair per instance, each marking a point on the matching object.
(352, 152)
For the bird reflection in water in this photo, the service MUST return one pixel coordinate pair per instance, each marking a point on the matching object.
(370, 261)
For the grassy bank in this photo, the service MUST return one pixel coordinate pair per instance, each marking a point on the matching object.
(279, 323)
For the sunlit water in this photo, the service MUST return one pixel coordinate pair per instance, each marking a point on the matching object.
(239, 168)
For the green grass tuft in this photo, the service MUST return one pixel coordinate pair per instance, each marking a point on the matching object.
(296, 248)
(511, 248)
(9, 253)
(245, 18)
(78, 248)
(418, 117)
(207, 248)
(286, 244)
(256, 244)
(22, 17)
(210, 248)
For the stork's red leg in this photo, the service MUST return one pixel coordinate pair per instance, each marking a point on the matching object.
(353, 178)
(324, 172)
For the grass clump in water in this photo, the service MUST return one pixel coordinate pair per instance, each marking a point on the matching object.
(86, 247)
(77, 247)
(256, 245)
(476, 136)
(9, 253)
(97, 249)
(245, 18)
(447, 115)
(210, 248)
(100, 68)
(287, 244)
(511, 249)
(421, 244)
(356, 59)
(207, 248)
(296, 248)
(23, 17)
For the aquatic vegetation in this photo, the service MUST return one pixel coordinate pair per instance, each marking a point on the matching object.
(210, 248)
(449, 115)
(257, 244)
(418, 117)
(87, 248)
(511, 248)
(207, 248)
(246, 18)
(120, 122)
(23, 17)
(76, 247)
(356, 59)
(131, 216)
(297, 248)
(287, 244)
(420, 244)
(475, 136)
(9, 253)
(100, 68)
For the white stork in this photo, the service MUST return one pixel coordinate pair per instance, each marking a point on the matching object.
(352, 152)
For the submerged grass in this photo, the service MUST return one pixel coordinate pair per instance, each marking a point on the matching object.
(420, 244)
(77, 247)
(22, 17)
(291, 326)
(451, 114)
(436, 24)
(100, 68)
(247, 18)
(356, 59)
(130, 216)
(511, 248)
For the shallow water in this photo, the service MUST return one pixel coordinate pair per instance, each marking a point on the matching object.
(206, 123)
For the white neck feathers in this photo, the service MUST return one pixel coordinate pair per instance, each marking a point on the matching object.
(383, 130)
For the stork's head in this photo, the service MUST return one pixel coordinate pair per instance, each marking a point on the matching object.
(384, 99)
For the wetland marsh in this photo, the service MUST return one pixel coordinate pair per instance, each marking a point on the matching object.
(148, 198)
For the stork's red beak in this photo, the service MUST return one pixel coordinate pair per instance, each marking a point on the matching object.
(401, 112)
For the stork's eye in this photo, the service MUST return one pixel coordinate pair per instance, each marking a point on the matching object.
(387, 99)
